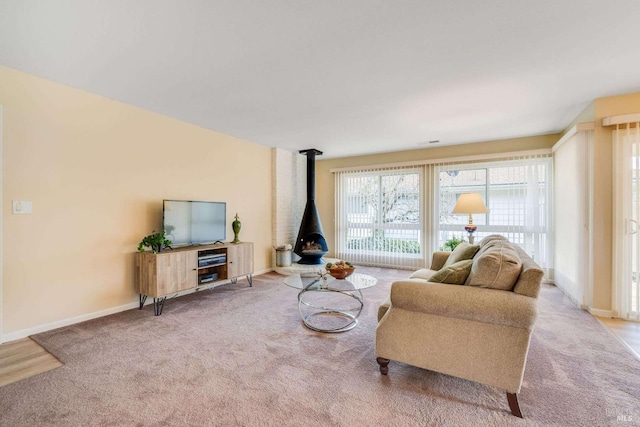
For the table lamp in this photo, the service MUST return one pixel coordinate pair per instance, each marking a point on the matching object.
(470, 203)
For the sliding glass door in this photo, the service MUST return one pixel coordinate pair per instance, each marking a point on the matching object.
(627, 219)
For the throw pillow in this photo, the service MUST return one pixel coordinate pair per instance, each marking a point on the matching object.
(455, 274)
(461, 252)
(497, 268)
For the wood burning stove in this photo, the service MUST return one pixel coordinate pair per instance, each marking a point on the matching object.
(311, 245)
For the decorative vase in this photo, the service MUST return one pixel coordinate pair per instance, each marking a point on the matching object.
(236, 225)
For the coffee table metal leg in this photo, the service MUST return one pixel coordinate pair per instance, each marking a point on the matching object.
(321, 311)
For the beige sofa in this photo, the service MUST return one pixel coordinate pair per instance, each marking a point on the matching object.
(478, 330)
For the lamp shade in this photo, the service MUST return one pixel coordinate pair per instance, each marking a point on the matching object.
(469, 203)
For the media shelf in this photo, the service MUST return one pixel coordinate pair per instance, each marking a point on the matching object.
(168, 272)
(212, 265)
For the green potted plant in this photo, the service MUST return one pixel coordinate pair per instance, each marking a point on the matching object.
(155, 241)
(451, 244)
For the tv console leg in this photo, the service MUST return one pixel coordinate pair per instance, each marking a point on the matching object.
(143, 298)
(250, 280)
(158, 305)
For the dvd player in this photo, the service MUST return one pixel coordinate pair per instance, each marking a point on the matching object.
(209, 260)
(207, 278)
(213, 256)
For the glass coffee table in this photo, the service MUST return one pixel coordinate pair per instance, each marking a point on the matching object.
(327, 304)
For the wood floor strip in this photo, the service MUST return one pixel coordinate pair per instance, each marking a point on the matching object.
(626, 331)
(22, 359)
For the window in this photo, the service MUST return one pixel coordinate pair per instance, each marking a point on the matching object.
(379, 217)
(397, 217)
(517, 193)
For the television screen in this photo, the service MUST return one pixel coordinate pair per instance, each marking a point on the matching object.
(194, 223)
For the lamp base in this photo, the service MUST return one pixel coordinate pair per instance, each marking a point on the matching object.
(470, 228)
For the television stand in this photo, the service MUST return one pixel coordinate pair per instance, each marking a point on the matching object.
(191, 267)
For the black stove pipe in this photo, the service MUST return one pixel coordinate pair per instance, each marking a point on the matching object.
(311, 171)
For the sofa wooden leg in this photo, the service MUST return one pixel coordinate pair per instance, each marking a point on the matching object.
(513, 404)
(384, 365)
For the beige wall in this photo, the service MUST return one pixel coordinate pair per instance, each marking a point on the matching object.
(96, 171)
(325, 184)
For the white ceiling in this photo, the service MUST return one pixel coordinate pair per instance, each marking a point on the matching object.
(344, 76)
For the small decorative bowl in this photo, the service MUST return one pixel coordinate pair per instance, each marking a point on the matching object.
(341, 273)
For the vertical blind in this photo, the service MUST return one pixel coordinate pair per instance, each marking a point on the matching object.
(627, 217)
(397, 216)
(517, 192)
(379, 219)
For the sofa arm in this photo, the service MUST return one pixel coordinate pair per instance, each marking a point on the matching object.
(438, 259)
(465, 302)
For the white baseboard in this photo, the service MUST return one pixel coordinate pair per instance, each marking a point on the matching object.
(567, 293)
(600, 313)
(66, 322)
(12, 336)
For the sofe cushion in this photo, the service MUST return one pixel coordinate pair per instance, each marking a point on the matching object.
(461, 252)
(424, 273)
(497, 267)
(490, 241)
(455, 274)
(492, 238)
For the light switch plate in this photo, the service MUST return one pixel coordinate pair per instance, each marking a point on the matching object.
(21, 207)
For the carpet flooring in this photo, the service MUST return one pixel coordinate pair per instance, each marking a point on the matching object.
(237, 355)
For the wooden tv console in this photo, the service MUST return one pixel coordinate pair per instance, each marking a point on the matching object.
(180, 269)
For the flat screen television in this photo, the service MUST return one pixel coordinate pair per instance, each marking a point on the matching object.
(189, 222)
